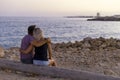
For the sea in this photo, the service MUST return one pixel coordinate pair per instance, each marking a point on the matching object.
(59, 29)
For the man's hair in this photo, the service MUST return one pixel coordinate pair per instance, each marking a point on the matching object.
(31, 29)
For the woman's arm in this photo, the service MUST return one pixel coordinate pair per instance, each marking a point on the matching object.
(50, 50)
(28, 50)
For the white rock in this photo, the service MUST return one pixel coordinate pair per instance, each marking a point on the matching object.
(86, 45)
(2, 54)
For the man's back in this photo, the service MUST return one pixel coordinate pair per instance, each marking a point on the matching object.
(24, 45)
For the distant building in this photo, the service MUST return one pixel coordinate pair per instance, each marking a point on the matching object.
(105, 18)
(98, 15)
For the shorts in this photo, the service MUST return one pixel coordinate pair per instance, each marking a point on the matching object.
(27, 61)
(41, 63)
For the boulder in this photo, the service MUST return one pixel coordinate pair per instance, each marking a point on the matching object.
(2, 54)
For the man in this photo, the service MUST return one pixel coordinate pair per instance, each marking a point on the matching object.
(26, 41)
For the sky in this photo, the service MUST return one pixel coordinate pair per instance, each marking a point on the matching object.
(59, 7)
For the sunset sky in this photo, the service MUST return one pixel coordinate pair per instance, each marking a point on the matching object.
(58, 7)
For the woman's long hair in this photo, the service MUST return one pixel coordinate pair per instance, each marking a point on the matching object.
(37, 33)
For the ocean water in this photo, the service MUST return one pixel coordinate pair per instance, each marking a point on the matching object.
(12, 29)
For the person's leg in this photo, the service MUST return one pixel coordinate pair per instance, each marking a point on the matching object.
(51, 62)
(41, 63)
(27, 61)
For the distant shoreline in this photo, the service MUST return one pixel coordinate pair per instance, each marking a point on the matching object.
(79, 16)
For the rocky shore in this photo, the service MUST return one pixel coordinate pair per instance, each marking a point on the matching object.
(98, 55)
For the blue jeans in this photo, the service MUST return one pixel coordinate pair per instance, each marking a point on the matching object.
(41, 63)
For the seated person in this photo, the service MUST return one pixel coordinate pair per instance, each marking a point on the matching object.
(41, 52)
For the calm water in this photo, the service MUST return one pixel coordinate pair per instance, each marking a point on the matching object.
(12, 29)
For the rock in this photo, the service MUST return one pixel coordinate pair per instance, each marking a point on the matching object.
(98, 55)
(110, 72)
(2, 54)
(87, 39)
(86, 45)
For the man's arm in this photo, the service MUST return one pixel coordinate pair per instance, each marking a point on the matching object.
(37, 44)
(28, 50)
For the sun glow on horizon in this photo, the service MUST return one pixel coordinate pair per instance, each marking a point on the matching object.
(58, 7)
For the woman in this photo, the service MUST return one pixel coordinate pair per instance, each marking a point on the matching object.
(41, 49)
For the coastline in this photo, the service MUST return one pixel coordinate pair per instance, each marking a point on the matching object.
(98, 55)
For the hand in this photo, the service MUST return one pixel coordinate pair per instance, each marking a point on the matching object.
(50, 58)
(48, 40)
(21, 50)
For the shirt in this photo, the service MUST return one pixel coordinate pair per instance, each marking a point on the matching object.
(41, 53)
(26, 41)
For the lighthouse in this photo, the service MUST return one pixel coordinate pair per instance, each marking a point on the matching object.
(98, 15)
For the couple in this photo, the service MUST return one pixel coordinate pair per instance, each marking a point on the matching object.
(36, 49)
